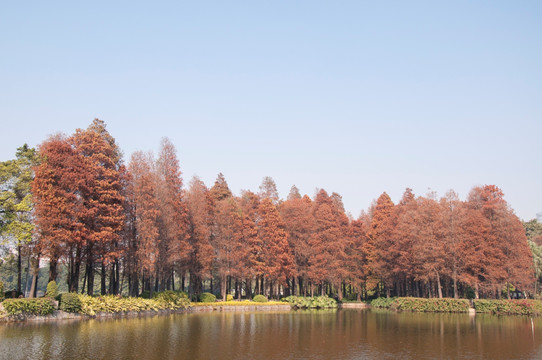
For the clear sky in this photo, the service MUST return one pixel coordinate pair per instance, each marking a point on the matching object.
(356, 97)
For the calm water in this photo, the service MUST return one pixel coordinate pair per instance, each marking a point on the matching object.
(343, 334)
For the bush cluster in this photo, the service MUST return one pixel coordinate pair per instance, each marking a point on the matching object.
(382, 302)
(172, 299)
(317, 302)
(70, 302)
(2, 296)
(259, 298)
(229, 297)
(115, 304)
(42, 306)
(207, 297)
(423, 305)
(52, 289)
(509, 307)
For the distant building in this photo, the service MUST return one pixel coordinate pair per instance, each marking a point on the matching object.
(539, 217)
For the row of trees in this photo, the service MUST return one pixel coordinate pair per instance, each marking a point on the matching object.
(139, 230)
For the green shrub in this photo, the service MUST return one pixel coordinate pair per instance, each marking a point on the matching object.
(70, 302)
(317, 302)
(382, 302)
(172, 299)
(229, 297)
(42, 306)
(259, 298)
(116, 304)
(509, 307)
(52, 289)
(207, 297)
(422, 304)
(2, 295)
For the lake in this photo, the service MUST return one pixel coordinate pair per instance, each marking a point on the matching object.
(339, 334)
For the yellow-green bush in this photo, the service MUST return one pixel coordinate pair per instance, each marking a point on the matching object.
(207, 297)
(42, 306)
(115, 304)
(52, 289)
(316, 302)
(259, 298)
(172, 299)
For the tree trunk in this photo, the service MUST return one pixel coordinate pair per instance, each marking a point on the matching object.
(84, 281)
(439, 288)
(35, 269)
(223, 289)
(238, 286)
(19, 269)
(454, 278)
(53, 272)
(90, 277)
(103, 289)
(248, 288)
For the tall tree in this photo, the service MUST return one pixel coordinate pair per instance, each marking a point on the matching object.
(254, 263)
(200, 205)
(356, 257)
(511, 263)
(145, 247)
(228, 243)
(327, 243)
(277, 255)
(429, 247)
(16, 203)
(59, 208)
(268, 190)
(220, 189)
(451, 214)
(173, 215)
(399, 236)
(533, 231)
(294, 193)
(102, 197)
(378, 241)
(299, 223)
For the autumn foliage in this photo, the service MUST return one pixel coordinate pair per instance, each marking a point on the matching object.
(139, 229)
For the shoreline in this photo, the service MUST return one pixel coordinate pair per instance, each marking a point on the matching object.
(60, 315)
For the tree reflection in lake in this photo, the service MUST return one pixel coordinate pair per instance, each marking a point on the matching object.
(341, 334)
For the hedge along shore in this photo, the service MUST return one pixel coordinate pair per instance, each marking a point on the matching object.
(448, 305)
(201, 307)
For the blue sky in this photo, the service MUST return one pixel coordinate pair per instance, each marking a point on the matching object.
(353, 97)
